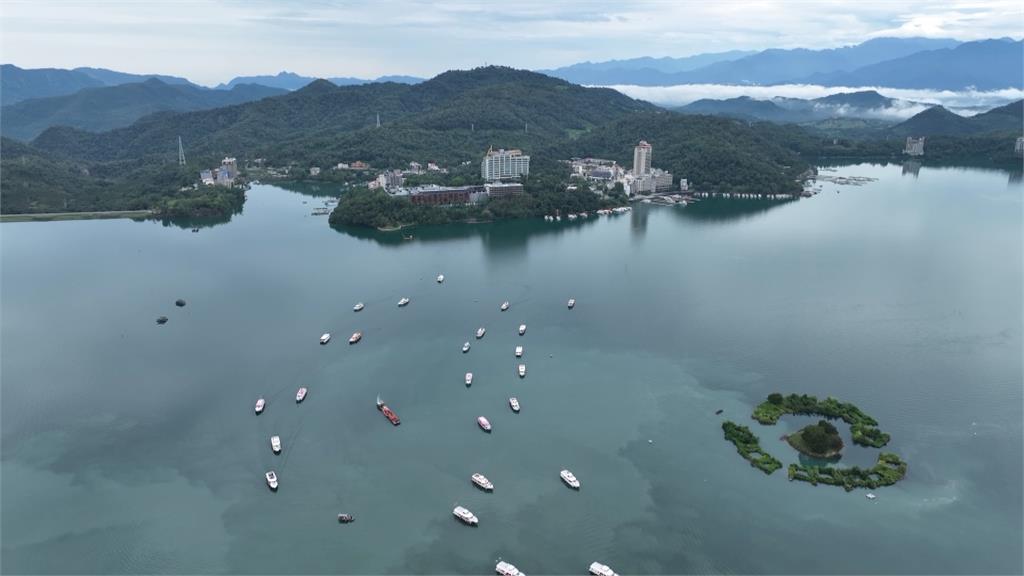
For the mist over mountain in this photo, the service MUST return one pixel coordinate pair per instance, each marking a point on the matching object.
(292, 81)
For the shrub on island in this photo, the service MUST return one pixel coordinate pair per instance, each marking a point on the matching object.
(748, 445)
(863, 428)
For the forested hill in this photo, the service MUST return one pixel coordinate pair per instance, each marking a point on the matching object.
(491, 98)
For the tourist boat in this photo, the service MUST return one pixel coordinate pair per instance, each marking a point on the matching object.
(522, 329)
(325, 338)
(260, 404)
(469, 378)
(572, 216)
(504, 305)
(870, 496)
(346, 518)
(466, 516)
(275, 444)
(359, 306)
(403, 301)
(440, 278)
(480, 332)
(482, 482)
(356, 337)
(598, 569)
(519, 351)
(506, 569)
(300, 395)
(465, 347)
(584, 215)
(161, 320)
(572, 303)
(569, 479)
(272, 480)
(558, 218)
(388, 413)
(484, 424)
(522, 370)
(513, 403)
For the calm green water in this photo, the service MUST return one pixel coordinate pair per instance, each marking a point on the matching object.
(132, 448)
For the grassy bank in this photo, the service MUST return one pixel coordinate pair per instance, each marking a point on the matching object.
(55, 216)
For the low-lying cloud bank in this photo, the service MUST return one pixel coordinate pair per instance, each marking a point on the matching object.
(965, 102)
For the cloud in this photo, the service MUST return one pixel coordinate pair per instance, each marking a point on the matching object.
(911, 102)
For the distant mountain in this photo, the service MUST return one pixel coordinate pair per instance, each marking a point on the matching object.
(777, 66)
(866, 104)
(17, 84)
(744, 108)
(292, 81)
(938, 121)
(98, 109)
(865, 99)
(638, 70)
(984, 65)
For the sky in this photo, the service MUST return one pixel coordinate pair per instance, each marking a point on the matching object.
(215, 40)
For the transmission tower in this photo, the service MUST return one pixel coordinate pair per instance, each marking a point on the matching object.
(181, 153)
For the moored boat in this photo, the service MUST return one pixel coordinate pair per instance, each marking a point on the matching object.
(260, 405)
(356, 337)
(513, 403)
(465, 515)
(572, 303)
(346, 518)
(359, 306)
(598, 569)
(325, 338)
(506, 569)
(569, 479)
(465, 347)
(388, 412)
(519, 351)
(870, 496)
(522, 370)
(469, 378)
(403, 301)
(480, 332)
(275, 444)
(522, 329)
(504, 305)
(271, 479)
(482, 482)
(300, 395)
(484, 424)
(440, 278)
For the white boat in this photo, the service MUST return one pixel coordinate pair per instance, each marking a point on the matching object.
(572, 216)
(558, 218)
(325, 338)
(403, 301)
(356, 337)
(469, 378)
(300, 395)
(358, 307)
(480, 332)
(598, 569)
(465, 347)
(275, 444)
(569, 479)
(522, 329)
(870, 496)
(522, 370)
(506, 569)
(504, 305)
(260, 404)
(513, 403)
(482, 482)
(465, 515)
(519, 351)
(272, 479)
(440, 278)
(572, 303)
(484, 424)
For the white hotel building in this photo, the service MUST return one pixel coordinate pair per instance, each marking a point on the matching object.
(504, 164)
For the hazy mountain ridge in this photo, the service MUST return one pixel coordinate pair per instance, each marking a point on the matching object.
(292, 81)
(18, 84)
(937, 121)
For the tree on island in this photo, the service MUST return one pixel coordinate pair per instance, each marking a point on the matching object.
(822, 438)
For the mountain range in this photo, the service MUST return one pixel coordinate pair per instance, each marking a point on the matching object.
(105, 108)
(17, 84)
(292, 81)
(867, 104)
(938, 121)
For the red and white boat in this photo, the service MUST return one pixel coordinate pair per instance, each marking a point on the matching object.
(260, 404)
(485, 425)
(356, 337)
(300, 395)
(388, 412)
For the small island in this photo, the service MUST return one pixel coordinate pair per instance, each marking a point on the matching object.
(819, 440)
(863, 428)
(749, 447)
(888, 470)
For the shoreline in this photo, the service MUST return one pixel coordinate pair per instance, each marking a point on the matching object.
(57, 216)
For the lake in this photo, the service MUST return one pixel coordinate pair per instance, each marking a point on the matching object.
(129, 447)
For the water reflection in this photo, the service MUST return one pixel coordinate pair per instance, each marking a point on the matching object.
(718, 210)
(196, 223)
(638, 222)
(912, 168)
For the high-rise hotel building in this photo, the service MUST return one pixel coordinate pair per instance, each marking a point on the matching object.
(504, 164)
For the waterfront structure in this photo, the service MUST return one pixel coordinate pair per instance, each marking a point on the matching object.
(502, 189)
(654, 181)
(504, 164)
(914, 147)
(444, 195)
(642, 158)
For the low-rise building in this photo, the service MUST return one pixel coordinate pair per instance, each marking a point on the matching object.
(314, 171)
(914, 147)
(446, 195)
(1018, 148)
(358, 165)
(206, 176)
(502, 189)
